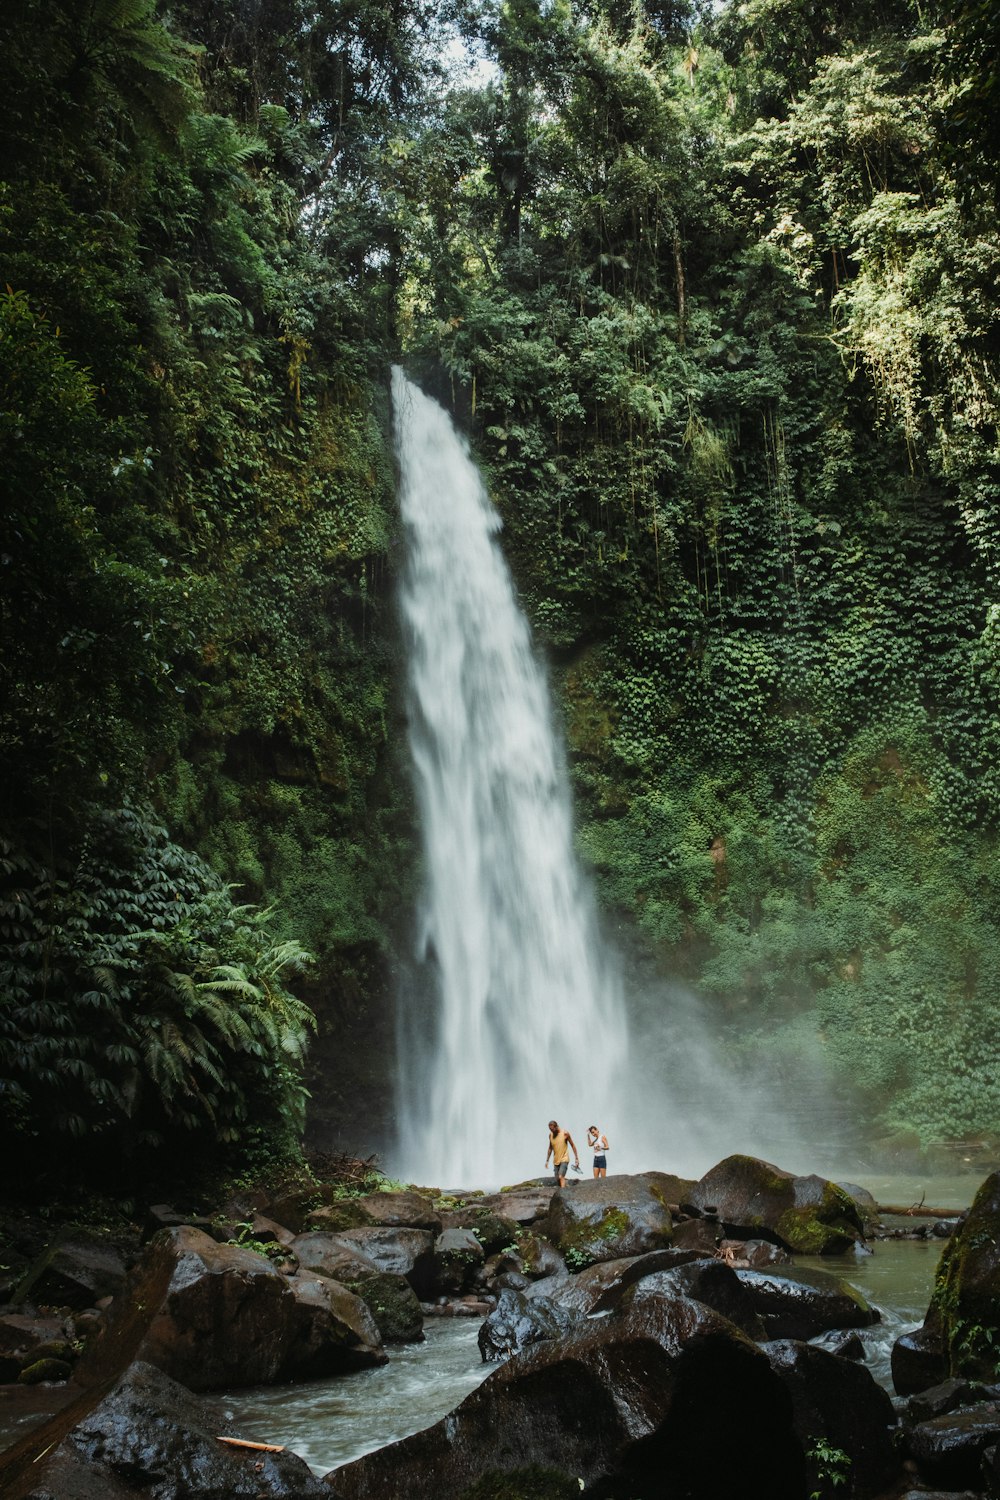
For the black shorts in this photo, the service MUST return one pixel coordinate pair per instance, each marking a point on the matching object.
(601, 1161)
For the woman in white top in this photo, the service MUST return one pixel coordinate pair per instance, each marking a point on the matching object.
(599, 1145)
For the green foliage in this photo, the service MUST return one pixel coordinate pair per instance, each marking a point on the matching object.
(141, 1007)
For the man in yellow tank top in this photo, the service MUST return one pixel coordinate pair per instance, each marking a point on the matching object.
(560, 1142)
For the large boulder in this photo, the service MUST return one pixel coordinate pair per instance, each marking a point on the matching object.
(707, 1281)
(800, 1302)
(26, 1338)
(918, 1361)
(600, 1287)
(213, 1316)
(844, 1420)
(149, 1437)
(403, 1252)
(393, 1304)
(949, 1450)
(668, 1399)
(402, 1210)
(328, 1255)
(456, 1258)
(610, 1217)
(964, 1314)
(518, 1321)
(525, 1204)
(753, 1199)
(77, 1271)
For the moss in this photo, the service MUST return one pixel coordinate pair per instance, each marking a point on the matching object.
(533, 1483)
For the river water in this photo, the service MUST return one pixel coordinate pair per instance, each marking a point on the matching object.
(331, 1422)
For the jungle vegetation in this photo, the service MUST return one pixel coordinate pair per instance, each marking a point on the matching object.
(714, 293)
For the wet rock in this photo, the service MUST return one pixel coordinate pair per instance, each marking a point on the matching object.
(403, 1252)
(917, 1361)
(948, 1396)
(800, 1303)
(844, 1345)
(645, 1404)
(707, 1281)
(949, 1449)
(753, 1255)
(150, 1437)
(518, 1321)
(215, 1315)
(610, 1218)
(754, 1199)
(402, 1210)
(838, 1404)
(702, 1235)
(965, 1307)
(943, 1229)
(600, 1287)
(394, 1305)
(74, 1272)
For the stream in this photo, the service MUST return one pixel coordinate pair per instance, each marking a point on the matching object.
(332, 1422)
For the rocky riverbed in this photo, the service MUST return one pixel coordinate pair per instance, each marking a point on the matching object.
(647, 1336)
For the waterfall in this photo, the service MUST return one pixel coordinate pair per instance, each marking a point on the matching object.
(520, 1017)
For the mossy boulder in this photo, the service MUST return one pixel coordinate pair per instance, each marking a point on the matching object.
(393, 1304)
(755, 1199)
(964, 1313)
(457, 1257)
(76, 1271)
(404, 1209)
(333, 1218)
(609, 1218)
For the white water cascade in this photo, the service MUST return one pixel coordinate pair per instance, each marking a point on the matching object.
(522, 1018)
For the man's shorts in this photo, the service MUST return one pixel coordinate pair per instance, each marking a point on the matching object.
(561, 1168)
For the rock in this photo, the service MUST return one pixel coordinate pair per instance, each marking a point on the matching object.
(74, 1272)
(917, 1362)
(837, 1405)
(946, 1397)
(149, 1437)
(329, 1255)
(943, 1229)
(404, 1252)
(707, 1281)
(23, 1340)
(702, 1235)
(600, 1287)
(334, 1218)
(866, 1203)
(393, 1304)
(754, 1199)
(949, 1449)
(844, 1345)
(609, 1218)
(800, 1303)
(215, 1315)
(964, 1313)
(518, 1321)
(514, 1281)
(639, 1405)
(539, 1258)
(402, 1210)
(525, 1205)
(47, 1370)
(493, 1231)
(760, 1253)
(457, 1256)
(267, 1232)
(165, 1216)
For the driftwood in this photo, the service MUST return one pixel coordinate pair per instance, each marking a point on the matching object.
(920, 1211)
(257, 1447)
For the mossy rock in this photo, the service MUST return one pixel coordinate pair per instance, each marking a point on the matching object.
(609, 1218)
(45, 1370)
(393, 1304)
(336, 1217)
(494, 1232)
(755, 1199)
(533, 1483)
(965, 1305)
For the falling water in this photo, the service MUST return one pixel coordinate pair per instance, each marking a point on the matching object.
(525, 1021)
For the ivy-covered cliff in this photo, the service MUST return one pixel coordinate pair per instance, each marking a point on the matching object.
(714, 295)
